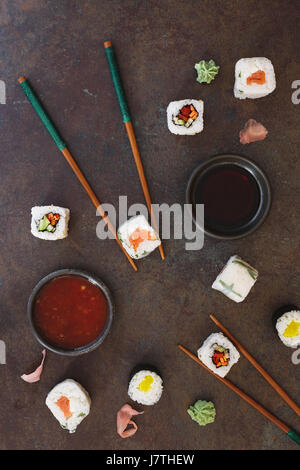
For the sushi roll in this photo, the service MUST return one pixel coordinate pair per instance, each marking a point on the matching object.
(254, 78)
(288, 328)
(218, 354)
(70, 403)
(236, 279)
(145, 387)
(185, 117)
(138, 237)
(49, 222)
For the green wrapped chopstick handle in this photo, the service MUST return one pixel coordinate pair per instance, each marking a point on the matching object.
(112, 61)
(41, 112)
(294, 435)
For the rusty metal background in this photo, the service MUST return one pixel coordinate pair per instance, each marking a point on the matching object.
(58, 45)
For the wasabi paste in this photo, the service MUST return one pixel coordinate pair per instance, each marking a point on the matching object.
(203, 412)
(206, 71)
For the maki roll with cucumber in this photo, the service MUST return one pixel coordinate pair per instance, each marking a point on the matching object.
(49, 222)
(218, 354)
(185, 117)
(236, 279)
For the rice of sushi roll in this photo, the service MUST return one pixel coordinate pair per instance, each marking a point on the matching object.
(288, 328)
(145, 387)
(138, 237)
(50, 222)
(254, 78)
(185, 117)
(236, 279)
(70, 403)
(218, 354)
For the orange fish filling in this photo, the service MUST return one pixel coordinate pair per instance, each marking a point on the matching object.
(258, 77)
(139, 236)
(64, 404)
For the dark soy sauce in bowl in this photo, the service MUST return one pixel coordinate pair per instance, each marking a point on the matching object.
(230, 196)
(235, 193)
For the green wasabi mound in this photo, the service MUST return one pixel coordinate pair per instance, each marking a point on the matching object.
(203, 412)
(206, 71)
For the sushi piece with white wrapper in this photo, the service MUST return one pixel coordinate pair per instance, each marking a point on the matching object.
(145, 387)
(70, 403)
(177, 124)
(50, 222)
(236, 279)
(218, 354)
(138, 237)
(254, 78)
(288, 328)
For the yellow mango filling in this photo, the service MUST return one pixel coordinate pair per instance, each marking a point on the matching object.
(292, 330)
(145, 384)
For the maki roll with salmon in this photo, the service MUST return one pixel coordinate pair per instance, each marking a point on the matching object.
(254, 78)
(185, 117)
(218, 354)
(138, 237)
(50, 222)
(70, 403)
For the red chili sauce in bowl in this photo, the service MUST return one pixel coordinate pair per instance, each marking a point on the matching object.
(70, 312)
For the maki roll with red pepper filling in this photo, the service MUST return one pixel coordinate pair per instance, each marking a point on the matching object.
(185, 117)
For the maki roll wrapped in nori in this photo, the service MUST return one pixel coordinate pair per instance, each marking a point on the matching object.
(218, 354)
(49, 222)
(288, 325)
(185, 117)
(145, 387)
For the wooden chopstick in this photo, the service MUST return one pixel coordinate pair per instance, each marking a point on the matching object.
(63, 148)
(110, 54)
(258, 367)
(280, 424)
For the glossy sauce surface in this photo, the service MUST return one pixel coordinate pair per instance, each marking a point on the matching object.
(70, 312)
(230, 196)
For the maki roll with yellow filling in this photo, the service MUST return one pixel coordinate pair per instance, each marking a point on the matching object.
(145, 387)
(288, 326)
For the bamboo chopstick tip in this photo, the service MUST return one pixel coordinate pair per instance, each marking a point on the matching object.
(21, 79)
(107, 44)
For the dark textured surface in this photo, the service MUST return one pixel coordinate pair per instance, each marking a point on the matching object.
(58, 45)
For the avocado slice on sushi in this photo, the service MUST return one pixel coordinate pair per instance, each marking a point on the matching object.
(44, 223)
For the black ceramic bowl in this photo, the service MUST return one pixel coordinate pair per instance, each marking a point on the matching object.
(83, 349)
(259, 180)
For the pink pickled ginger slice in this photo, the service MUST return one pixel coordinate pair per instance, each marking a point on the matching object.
(252, 132)
(124, 416)
(36, 375)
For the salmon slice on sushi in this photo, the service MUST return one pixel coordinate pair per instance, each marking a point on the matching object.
(138, 237)
(254, 78)
(185, 117)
